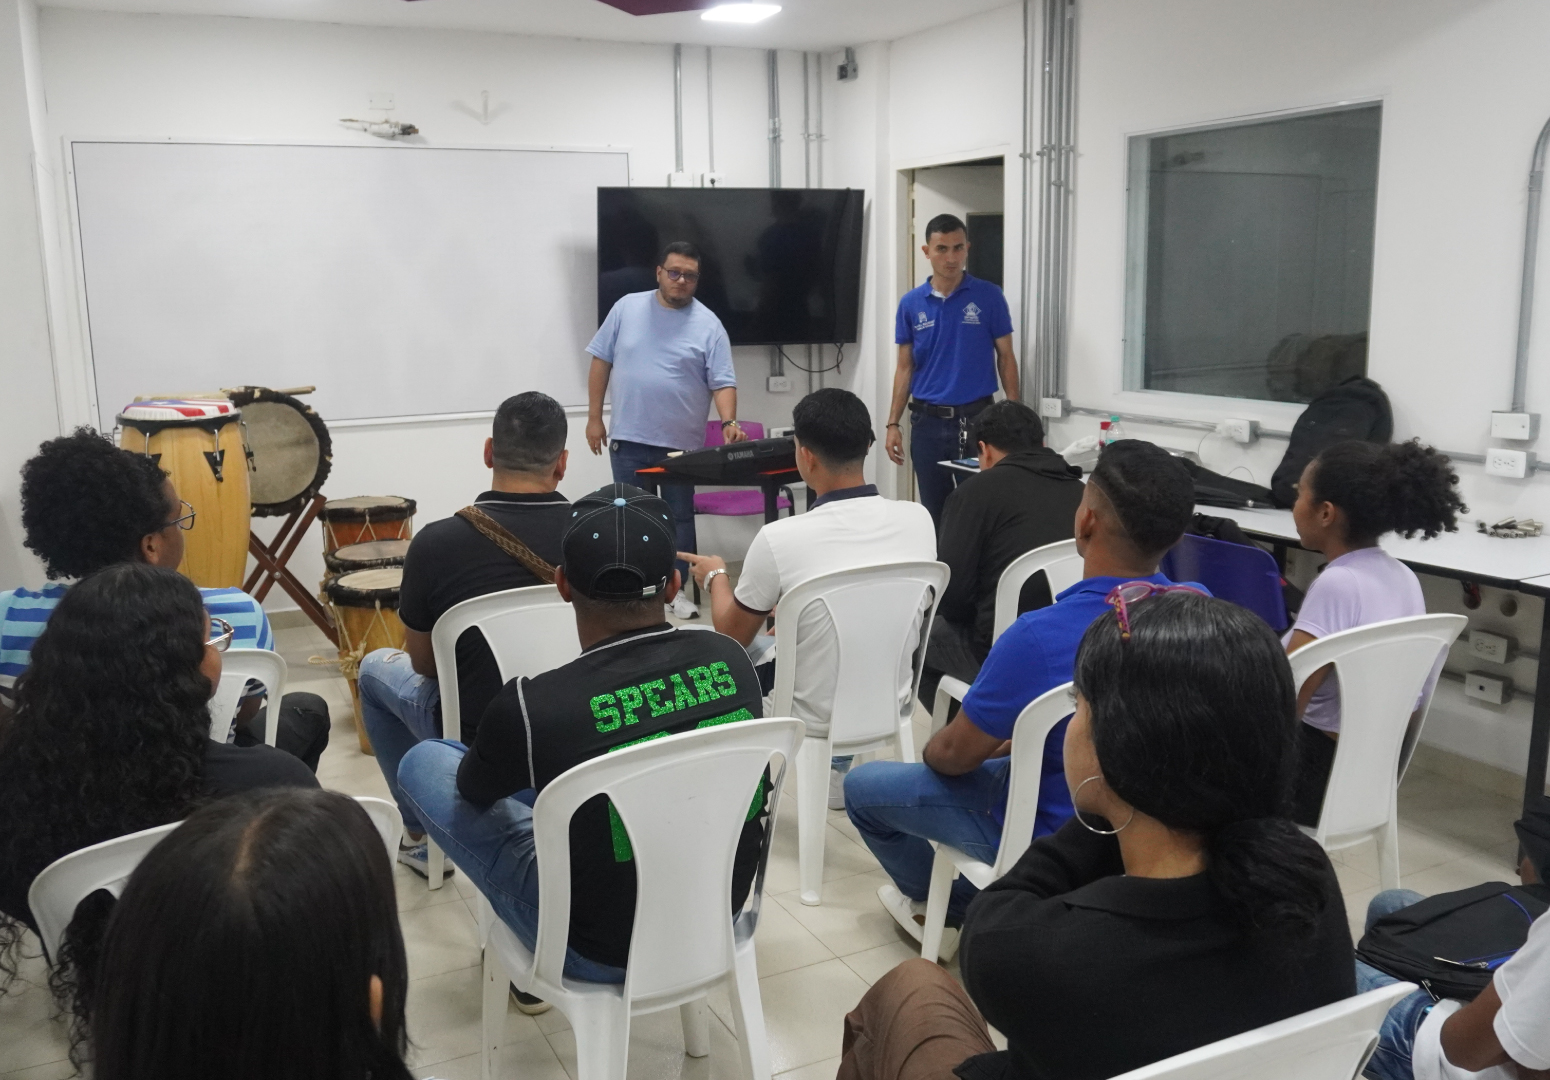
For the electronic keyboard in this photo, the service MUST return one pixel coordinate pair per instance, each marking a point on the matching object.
(734, 463)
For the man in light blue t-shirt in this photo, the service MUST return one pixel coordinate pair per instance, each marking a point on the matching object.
(669, 357)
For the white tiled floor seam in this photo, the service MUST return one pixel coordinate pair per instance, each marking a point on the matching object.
(814, 962)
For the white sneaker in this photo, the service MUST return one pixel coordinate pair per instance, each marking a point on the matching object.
(837, 791)
(911, 917)
(415, 854)
(683, 608)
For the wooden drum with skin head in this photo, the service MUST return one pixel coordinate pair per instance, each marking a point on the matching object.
(365, 609)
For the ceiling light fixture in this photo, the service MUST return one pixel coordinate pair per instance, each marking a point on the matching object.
(740, 13)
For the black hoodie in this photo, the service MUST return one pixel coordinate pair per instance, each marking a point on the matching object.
(1027, 500)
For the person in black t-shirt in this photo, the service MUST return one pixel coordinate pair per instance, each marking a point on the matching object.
(637, 678)
(1024, 496)
(450, 561)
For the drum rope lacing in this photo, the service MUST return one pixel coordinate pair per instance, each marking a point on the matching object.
(350, 654)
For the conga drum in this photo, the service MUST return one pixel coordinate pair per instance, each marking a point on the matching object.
(365, 609)
(372, 555)
(364, 518)
(197, 442)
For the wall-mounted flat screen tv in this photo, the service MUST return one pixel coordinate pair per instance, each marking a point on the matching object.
(782, 266)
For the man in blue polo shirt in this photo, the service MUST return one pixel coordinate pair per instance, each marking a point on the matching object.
(1135, 507)
(954, 334)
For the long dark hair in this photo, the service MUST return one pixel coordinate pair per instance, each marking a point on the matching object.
(244, 945)
(108, 738)
(1194, 723)
(1395, 487)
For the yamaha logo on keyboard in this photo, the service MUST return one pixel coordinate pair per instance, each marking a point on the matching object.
(741, 454)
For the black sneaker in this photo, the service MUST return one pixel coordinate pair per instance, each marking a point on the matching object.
(528, 1004)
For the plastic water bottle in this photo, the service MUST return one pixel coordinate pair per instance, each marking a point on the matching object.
(1115, 434)
(1103, 433)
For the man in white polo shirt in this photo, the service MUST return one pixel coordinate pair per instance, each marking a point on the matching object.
(848, 525)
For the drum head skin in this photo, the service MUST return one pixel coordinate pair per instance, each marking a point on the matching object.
(373, 553)
(364, 588)
(291, 448)
(369, 508)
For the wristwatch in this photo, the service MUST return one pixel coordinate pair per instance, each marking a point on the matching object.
(711, 576)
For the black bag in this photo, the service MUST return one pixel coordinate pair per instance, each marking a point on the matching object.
(1214, 489)
(1452, 943)
(1356, 409)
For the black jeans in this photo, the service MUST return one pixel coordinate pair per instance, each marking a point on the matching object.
(951, 650)
(1315, 761)
(303, 728)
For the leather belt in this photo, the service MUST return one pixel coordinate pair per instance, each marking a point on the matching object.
(949, 412)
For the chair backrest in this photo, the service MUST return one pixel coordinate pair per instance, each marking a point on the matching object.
(1247, 576)
(64, 883)
(529, 630)
(713, 437)
(1383, 669)
(1061, 564)
(882, 614)
(237, 667)
(1038, 718)
(1330, 1043)
(684, 800)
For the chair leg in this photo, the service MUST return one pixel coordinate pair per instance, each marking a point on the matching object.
(435, 864)
(602, 1029)
(939, 709)
(907, 740)
(942, 874)
(696, 1021)
(493, 1020)
(748, 1013)
(1388, 854)
(812, 815)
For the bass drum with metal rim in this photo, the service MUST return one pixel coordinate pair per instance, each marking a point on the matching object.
(289, 449)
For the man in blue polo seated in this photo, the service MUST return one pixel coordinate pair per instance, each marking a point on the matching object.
(1135, 507)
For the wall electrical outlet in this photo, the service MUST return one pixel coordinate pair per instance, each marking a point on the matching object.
(712, 179)
(380, 100)
(1052, 408)
(1514, 425)
(680, 179)
(778, 384)
(1483, 687)
(1484, 645)
(779, 432)
(1239, 431)
(1511, 463)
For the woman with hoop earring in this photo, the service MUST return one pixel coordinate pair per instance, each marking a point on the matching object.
(1180, 906)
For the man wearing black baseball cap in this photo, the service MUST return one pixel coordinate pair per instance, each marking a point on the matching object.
(637, 678)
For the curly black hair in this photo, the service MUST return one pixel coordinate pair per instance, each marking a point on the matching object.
(108, 738)
(1388, 487)
(86, 503)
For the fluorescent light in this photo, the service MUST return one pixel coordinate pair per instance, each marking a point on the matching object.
(740, 13)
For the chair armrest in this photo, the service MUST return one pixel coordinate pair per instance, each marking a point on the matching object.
(949, 689)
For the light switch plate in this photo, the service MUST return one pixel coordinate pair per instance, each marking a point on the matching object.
(381, 100)
(1514, 425)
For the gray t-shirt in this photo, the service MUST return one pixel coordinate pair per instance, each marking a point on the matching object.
(666, 363)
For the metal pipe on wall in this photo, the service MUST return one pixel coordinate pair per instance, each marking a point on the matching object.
(710, 114)
(1030, 374)
(773, 63)
(678, 108)
(807, 124)
(1536, 186)
(1057, 131)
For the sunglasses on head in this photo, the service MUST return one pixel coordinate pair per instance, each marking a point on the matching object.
(1122, 596)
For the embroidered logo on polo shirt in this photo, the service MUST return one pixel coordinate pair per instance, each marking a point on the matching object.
(971, 314)
(924, 322)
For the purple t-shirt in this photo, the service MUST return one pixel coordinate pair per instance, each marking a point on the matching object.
(1364, 586)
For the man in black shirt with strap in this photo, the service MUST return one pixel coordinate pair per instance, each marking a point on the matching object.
(450, 561)
(1024, 496)
(637, 678)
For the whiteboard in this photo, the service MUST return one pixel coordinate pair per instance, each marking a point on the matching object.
(398, 280)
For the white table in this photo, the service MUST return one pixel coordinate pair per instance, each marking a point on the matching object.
(1522, 565)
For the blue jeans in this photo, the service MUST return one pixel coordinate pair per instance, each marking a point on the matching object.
(898, 807)
(399, 709)
(494, 847)
(1396, 1038)
(934, 439)
(625, 457)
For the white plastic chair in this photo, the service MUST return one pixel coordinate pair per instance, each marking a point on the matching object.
(1033, 726)
(529, 630)
(1062, 567)
(684, 799)
(881, 614)
(61, 885)
(1330, 1043)
(237, 667)
(1383, 668)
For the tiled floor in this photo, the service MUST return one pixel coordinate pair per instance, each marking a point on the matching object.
(814, 962)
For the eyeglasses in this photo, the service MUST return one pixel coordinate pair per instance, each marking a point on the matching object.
(1122, 596)
(683, 275)
(222, 632)
(186, 522)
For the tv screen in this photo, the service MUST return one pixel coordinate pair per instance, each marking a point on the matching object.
(782, 266)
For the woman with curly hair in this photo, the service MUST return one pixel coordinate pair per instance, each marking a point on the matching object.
(111, 736)
(1349, 497)
(87, 504)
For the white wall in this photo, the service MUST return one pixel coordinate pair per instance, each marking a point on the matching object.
(128, 76)
(959, 190)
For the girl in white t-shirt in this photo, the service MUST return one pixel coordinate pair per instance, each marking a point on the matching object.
(1349, 496)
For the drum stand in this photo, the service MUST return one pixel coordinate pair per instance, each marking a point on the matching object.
(272, 559)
